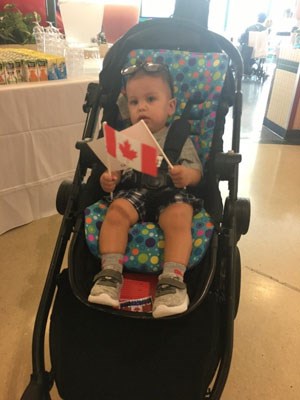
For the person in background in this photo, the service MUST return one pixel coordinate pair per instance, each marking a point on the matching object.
(246, 51)
(258, 27)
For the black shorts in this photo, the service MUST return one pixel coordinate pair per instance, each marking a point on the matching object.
(149, 203)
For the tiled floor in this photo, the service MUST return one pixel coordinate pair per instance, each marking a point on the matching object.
(266, 360)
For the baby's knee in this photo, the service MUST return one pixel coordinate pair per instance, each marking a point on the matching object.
(121, 211)
(178, 215)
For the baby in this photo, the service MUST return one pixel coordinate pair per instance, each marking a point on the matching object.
(149, 93)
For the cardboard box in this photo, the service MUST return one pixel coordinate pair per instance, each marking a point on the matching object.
(42, 69)
(2, 74)
(19, 71)
(11, 77)
(30, 70)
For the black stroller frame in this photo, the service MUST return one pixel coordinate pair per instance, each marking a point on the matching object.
(221, 279)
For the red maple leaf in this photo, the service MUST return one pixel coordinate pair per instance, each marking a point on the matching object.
(127, 151)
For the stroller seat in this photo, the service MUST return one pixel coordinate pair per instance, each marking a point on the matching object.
(145, 246)
(194, 75)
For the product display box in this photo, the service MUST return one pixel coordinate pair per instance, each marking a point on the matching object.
(26, 65)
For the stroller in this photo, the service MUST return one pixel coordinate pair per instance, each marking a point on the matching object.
(104, 353)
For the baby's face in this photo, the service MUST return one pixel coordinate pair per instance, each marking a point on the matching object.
(149, 98)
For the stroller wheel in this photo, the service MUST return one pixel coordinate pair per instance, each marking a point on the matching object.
(62, 196)
(243, 215)
(237, 281)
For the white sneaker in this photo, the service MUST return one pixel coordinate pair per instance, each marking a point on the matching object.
(107, 288)
(171, 297)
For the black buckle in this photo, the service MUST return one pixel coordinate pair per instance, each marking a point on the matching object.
(155, 182)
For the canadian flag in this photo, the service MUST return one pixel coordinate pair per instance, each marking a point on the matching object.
(133, 148)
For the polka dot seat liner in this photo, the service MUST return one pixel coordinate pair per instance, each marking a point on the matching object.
(193, 74)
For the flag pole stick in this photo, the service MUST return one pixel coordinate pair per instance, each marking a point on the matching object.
(158, 146)
(109, 171)
(108, 164)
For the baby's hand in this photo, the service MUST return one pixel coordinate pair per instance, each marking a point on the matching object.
(183, 176)
(180, 176)
(109, 181)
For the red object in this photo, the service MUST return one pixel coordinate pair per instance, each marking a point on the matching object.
(148, 158)
(118, 19)
(138, 292)
(111, 143)
(38, 6)
(127, 151)
(131, 152)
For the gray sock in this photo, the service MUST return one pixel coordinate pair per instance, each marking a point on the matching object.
(112, 261)
(173, 268)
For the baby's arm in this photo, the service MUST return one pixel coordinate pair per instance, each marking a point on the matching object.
(183, 176)
(109, 180)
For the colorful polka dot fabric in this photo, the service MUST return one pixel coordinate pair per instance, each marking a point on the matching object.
(146, 243)
(193, 74)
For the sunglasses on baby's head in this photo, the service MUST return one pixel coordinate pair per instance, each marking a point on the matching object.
(149, 68)
(146, 66)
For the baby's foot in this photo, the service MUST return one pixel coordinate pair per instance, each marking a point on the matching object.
(170, 298)
(107, 288)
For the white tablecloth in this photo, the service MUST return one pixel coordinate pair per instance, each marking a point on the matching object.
(39, 126)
